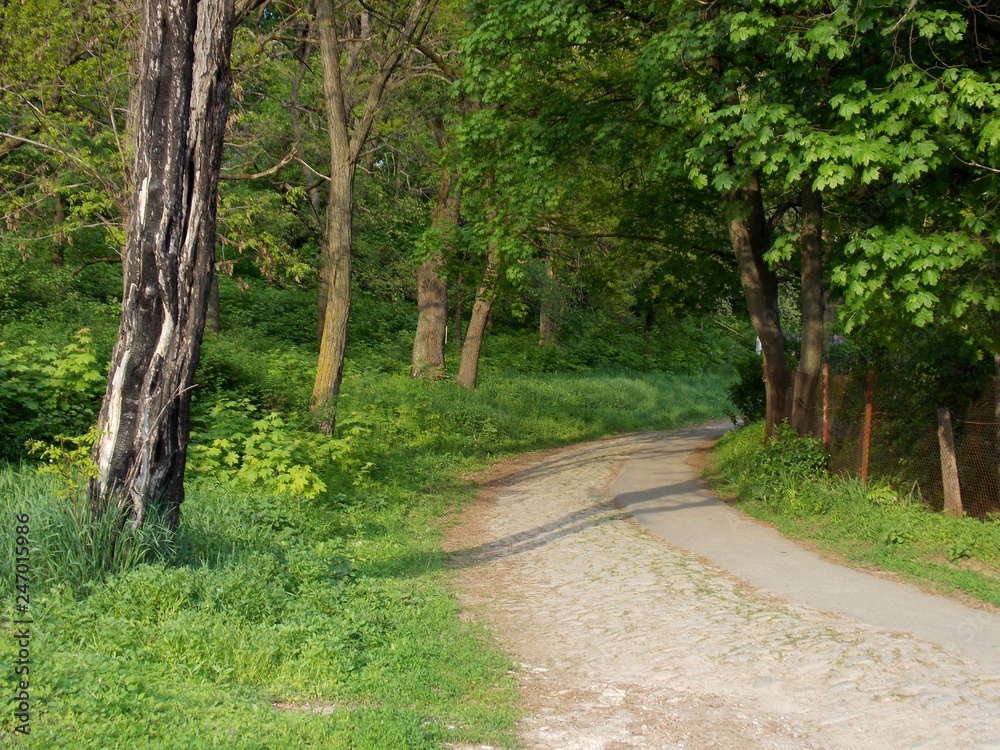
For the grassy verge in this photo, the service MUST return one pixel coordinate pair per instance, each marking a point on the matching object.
(276, 621)
(873, 527)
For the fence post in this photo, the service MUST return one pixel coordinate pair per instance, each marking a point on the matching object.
(949, 465)
(826, 407)
(866, 437)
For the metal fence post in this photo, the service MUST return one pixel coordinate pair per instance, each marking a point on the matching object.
(866, 438)
(826, 407)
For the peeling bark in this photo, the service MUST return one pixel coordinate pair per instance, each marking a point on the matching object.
(181, 106)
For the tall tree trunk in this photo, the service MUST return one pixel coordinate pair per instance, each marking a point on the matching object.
(432, 290)
(432, 320)
(348, 135)
(996, 417)
(336, 267)
(330, 367)
(468, 370)
(182, 102)
(811, 353)
(751, 238)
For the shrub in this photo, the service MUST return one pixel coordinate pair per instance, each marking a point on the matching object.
(747, 394)
(47, 390)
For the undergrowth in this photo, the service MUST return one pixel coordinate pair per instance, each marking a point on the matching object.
(785, 483)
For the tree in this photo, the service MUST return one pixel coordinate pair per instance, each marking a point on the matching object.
(350, 116)
(427, 359)
(180, 101)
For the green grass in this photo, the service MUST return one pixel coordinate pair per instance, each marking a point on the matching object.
(337, 609)
(874, 527)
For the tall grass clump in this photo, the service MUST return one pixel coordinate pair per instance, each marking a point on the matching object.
(784, 482)
(70, 546)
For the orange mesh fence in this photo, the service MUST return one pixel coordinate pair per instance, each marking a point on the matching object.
(904, 448)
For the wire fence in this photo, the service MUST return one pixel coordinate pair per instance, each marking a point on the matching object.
(870, 433)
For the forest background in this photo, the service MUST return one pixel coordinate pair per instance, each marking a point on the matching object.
(449, 232)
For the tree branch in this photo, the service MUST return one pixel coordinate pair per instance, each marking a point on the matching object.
(257, 175)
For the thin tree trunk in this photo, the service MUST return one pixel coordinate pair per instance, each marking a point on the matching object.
(751, 238)
(458, 310)
(309, 180)
(336, 268)
(182, 102)
(551, 308)
(811, 353)
(468, 370)
(996, 418)
(213, 316)
(330, 367)
(58, 234)
(432, 290)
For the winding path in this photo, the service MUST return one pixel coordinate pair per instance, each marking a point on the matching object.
(647, 614)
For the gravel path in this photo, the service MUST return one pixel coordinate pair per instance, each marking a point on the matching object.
(627, 641)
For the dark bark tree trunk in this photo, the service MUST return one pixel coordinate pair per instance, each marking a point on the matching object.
(751, 239)
(811, 352)
(996, 418)
(468, 370)
(432, 290)
(58, 234)
(181, 106)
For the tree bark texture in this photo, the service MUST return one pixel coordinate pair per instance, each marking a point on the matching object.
(182, 103)
(811, 352)
(432, 290)
(751, 239)
(468, 369)
(330, 366)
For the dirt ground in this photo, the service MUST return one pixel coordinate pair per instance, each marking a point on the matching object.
(626, 641)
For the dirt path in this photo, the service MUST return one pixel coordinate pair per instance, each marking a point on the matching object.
(628, 641)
